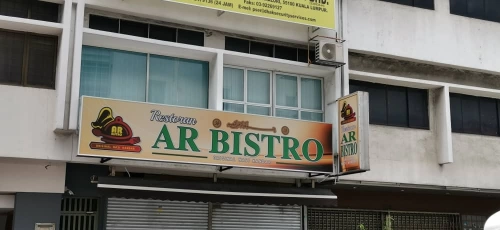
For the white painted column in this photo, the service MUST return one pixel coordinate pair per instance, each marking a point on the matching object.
(442, 125)
(62, 66)
(342, 23)
(77, 56)
(216, 81)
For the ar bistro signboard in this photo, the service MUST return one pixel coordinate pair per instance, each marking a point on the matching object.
(152, 132)
(353, 133)
(319, 13)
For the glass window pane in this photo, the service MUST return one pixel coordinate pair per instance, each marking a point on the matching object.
(262, 49)
(456, 113)
(488, 111)
(239, 108)
(104, 23)
(177, 81)
(113, 74)
(286, 90)
(233, 88)
(378, 103)
(284, 52)
(238, 45)
(45, 11)
(42, 61)
(304, 55)
(287, 113)
(191, 37)
(310, 116)
(259, 87)
(475, 9)
(162, 33)
(470, 114)
(310, 93)
(134, 28)
(258, 110)
(11, 60)
(418, 108)
(397, 106)
(458, 7)
(14, 8)
(426, 4)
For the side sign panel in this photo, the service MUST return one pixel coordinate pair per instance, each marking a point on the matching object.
(353, 126)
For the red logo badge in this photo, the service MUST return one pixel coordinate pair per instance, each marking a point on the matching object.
(347, 114)
(116, 135)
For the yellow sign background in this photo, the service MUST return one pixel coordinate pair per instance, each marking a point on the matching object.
(138, 116)
(319, 13)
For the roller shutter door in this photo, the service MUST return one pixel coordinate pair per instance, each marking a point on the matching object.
(142, 214)
(252, 217)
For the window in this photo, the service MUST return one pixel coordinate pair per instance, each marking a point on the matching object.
(426, 4)
(124, 75)
(250, 91)
(480, 9)
(268, 50)
(27, 59)
(145, 30)
(475, 115)
(32, 9)
(395, 105)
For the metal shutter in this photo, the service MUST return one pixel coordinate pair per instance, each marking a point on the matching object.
(140, 214)
(242, 216)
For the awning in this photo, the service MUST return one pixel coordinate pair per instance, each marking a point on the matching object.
(214, 192)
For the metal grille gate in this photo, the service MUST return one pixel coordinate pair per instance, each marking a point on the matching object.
(253, 217)
(142, 214)
(341, 219)
(79, 213)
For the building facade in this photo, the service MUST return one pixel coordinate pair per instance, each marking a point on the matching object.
(430, 68)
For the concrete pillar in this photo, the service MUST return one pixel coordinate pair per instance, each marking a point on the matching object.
(442, 125)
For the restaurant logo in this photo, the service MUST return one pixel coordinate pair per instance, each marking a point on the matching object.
(116, 135)
(347, 113)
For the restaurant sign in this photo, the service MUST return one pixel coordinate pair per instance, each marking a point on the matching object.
(353, 133)
(153, 132)
(319, 13)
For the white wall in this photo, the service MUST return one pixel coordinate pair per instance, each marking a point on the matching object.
(31, 176)
(424, 35)
(27, 125)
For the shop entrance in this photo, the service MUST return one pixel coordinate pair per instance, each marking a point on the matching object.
(147, 214)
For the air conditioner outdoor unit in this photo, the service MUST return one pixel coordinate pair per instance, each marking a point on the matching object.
(329, 53)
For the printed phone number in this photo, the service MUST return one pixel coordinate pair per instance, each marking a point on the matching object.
(216, 3)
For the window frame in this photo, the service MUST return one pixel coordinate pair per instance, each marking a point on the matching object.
(26, 51)
(245, 102)
(481, 132)
(299, 108)
(272, 94)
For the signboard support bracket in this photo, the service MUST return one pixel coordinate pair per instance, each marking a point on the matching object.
(105, 159)
(222, 169)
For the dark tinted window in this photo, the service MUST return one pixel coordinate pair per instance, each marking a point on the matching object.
(476, 115)
(15, 8)
(11, 58)
(456, 113)
(426, 4)
(418, 116)
(480, 9)
(41, 61)
(134, 28)
(470, 114)
(489, 121)
(284, 52)
(104, 23)
(32, 9)
(238, 45)
(394, 105)
(45, 11)
(303, 55)
(397, 106)
(191, 37)
(262, 49)
(162, 33)
(32, 67)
